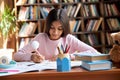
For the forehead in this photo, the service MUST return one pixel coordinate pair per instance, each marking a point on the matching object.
(56, 23)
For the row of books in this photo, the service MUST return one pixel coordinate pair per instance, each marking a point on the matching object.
(113, 23)
(72, 10)
(92, 39)
(49, 1)
(45, 10)
(94, 61)
(75, 25)
(68, 1)
(90, 10)
(93, 25)
(111, 9)
(27, 29)
(28, 13)
(31, 12)
(22, 2)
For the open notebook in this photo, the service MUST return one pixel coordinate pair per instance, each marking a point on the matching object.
(22, 67)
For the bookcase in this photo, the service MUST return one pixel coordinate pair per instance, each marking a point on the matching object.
(91, 21)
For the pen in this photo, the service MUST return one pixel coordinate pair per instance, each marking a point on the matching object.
(62, 48)
(30, 64)
(60, 52)
(67, 49)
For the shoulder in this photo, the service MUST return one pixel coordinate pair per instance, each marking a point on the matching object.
(41, 36)
(70, 37)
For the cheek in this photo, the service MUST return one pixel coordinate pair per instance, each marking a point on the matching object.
(60, 33)
(50, 32)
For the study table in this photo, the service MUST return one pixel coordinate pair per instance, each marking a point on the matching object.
(76, 73)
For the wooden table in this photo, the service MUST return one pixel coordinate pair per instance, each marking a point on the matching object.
(75, 74)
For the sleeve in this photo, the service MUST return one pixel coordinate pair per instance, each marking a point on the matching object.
(24, 54)
(78, 45)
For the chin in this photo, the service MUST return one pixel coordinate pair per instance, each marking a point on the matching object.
(55, 38)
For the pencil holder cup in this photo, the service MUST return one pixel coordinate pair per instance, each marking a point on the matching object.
(63, 63)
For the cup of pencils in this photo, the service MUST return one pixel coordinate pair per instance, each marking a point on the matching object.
(63, 61)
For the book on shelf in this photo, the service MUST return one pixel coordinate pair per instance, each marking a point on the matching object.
(78, 26)
(21, 2)
(93, 39)
(75, 26)
(113, 23)
(97, 65)
(69, 9)
(31, 1)
(23, 13)
(45, 10)
(91, 56)
(33, 12)
(72, 11)
(77, 9)
(93, 10)
(97, 24)
(72, 24)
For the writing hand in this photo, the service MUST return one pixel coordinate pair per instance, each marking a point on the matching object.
(37, 58)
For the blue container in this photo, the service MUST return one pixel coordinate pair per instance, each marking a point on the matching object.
(63, 63)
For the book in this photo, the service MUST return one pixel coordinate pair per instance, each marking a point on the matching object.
(97, 65)
(21, 2)
(31, 1)
(72, 24)
(22, 67)
(77, 10)
(90, 56)
(78, 26)
(25, 13)
(97, 24)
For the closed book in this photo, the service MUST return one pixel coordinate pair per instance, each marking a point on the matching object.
(91, 56)
(97, 65)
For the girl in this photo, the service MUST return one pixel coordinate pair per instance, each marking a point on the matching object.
(57, 31)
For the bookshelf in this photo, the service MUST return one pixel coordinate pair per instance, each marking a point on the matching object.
(91, 21)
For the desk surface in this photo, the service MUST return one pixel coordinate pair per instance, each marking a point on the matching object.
(75, 74)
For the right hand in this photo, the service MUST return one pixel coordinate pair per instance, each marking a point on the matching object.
(37, 58)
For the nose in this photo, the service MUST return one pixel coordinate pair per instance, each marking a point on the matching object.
(55, 31)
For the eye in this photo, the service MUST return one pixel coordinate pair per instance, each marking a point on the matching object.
(52, 27)
(60, 29)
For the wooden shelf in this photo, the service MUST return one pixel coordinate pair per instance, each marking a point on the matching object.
(89, 15)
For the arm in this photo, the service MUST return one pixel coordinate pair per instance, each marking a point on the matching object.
(25, 53)
(77, 45)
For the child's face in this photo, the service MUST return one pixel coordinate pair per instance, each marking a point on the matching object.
(56, 30)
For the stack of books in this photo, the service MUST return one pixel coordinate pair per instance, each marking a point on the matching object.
(94, 61)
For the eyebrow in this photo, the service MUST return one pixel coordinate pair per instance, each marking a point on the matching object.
(59, 26)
